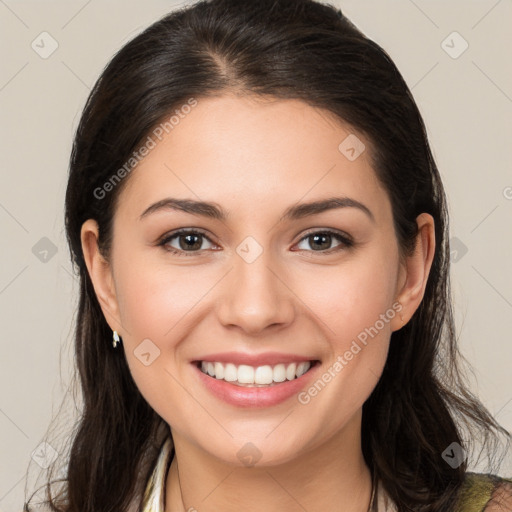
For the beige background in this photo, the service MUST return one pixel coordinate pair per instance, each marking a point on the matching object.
(466, 103)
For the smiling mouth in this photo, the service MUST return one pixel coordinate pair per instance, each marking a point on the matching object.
(260, 376)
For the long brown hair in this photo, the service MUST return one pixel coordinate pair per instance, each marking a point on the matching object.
(298, 49)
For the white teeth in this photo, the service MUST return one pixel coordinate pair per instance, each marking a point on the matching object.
(219, 371)
(261, 375)
(290, 371)
(302, 368)
(230, 372)
(245, 374)
(278, 373)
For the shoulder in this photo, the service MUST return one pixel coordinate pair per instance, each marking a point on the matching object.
(501, 499)
(485, 493)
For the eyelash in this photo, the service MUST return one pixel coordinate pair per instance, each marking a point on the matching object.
(346, 242)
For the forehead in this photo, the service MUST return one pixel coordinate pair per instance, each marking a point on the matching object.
(252, 151)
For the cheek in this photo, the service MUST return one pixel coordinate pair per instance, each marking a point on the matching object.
(156, 308)
(154, 299)
(354, 304)
(159, 307)
(353, 296)
(354, 307)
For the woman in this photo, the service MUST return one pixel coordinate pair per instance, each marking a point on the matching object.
(265, 323)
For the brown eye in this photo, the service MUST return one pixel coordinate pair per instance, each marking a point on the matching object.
(188, 241)
(321, 241)
(192, 242)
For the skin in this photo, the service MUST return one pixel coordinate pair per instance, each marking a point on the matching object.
(255, 159)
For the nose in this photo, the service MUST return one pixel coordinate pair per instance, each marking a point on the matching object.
(255, 296)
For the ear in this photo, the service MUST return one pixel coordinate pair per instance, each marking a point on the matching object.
(414, 273)
(100, 272)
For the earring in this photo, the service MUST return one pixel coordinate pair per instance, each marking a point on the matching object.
(116, 339)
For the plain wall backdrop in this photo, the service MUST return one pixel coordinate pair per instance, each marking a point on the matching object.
(456, 58)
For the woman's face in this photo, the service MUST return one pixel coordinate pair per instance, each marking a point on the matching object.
(262, 279)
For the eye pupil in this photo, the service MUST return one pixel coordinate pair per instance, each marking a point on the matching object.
(188, 244)
(319, 238)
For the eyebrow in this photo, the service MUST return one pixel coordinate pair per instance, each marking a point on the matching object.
(294, 212)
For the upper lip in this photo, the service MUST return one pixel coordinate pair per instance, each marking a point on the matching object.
(265, 358)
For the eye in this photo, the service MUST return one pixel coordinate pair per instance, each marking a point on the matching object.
(188, 241)
(321, 241)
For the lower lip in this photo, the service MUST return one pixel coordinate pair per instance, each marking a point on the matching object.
(242, 396)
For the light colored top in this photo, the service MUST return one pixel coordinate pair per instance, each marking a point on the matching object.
(154, 495)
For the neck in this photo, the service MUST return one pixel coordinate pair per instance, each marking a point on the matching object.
(330, 477)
